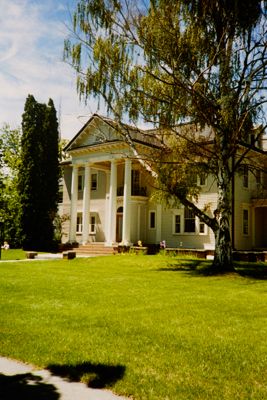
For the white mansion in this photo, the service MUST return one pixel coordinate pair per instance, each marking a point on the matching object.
(107, 197)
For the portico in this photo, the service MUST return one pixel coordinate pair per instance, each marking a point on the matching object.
(109, 221)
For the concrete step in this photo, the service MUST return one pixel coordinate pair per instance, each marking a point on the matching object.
(95, 248)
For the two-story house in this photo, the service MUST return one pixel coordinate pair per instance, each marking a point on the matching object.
(107, 196)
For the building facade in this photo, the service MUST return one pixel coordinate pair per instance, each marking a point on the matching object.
(107, 197)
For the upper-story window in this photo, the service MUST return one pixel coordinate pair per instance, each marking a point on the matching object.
(258, 177)
(245, 176)
(94, 181)
(135, 179)
(80, 182)
(202, 179)
(199, 179)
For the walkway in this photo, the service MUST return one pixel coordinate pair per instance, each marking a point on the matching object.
(22, 381)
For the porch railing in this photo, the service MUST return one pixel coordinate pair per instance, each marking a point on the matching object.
(136, 191)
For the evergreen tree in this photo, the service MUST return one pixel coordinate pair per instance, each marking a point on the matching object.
(38, 175)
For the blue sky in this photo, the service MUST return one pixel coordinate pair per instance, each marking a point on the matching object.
(32, 34)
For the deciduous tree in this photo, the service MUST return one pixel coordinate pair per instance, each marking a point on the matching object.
(167, 62)
(9, 198)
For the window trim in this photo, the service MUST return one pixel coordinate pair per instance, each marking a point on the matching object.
(181, 214)
(199, 223)
(79, 225)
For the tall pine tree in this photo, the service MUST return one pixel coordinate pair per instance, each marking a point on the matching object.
(39, 174)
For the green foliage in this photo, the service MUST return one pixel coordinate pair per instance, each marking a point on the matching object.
(9, 197)
(39, 174)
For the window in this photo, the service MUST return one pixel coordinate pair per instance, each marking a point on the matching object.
(184, 222)
(79, 224)
(177, 223)
(193, 178)
(202, 228)
(93, 181)
(80, 182)
(135, 182)
(92, 224)
(258, 178)
(189, 221)
(202, 179)
(152, 219)
(245, 222)
(245, 176)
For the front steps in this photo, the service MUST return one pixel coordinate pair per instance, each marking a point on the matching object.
(96, 248)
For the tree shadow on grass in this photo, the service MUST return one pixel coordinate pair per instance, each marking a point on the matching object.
(257, 271)
(94, 375)
(26, 387)
(193, 267)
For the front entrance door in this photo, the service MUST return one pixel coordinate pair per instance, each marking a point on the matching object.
(119, 227)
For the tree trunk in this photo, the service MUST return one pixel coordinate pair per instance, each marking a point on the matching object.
(223, 259)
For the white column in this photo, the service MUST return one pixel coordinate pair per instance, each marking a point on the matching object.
(126, 224)
(139, 221)
(86, 202)
(112, 204)
(74, 198)
(158, 223)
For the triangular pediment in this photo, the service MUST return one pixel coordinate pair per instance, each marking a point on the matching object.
(97, 131)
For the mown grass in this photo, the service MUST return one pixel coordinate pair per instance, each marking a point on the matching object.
(12, 254)
(149, 327)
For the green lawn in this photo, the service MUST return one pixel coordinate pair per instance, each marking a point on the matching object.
(144, 326)
(12, 254)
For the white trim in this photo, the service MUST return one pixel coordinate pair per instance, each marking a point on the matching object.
(199, 223)
(73, 203)
(158, 223)
(177, 214)
(79, 225)
(182, 225)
